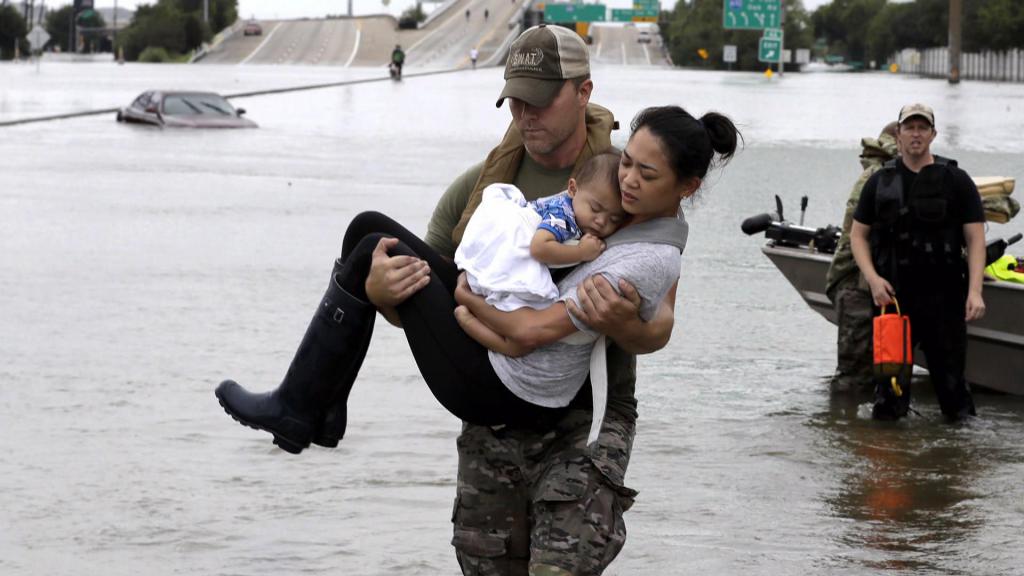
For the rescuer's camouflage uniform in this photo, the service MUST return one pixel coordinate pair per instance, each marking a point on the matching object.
(846, 287)
(541, 503)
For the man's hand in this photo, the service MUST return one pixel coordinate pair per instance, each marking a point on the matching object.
(393, 279)
(602, 308)
(975, 308)
(881, 291)
(590, 247)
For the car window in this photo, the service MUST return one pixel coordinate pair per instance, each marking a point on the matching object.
(142, 101)
(197, 104)
(213, 104)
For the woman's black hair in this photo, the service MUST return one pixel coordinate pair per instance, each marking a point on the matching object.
(690, 144)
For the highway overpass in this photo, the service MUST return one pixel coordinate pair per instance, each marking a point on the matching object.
(443, 42)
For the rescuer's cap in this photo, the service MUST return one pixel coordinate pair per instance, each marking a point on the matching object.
(540, 61)
(911, 110)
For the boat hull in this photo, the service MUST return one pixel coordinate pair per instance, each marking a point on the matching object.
(995, 344)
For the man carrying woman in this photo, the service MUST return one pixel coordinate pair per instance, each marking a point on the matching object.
(533, 497)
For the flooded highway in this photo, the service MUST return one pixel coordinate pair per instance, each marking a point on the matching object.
(139, 267)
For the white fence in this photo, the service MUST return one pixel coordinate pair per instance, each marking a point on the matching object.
(998, 66)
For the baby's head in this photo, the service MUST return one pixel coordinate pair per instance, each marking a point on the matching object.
(595, 195)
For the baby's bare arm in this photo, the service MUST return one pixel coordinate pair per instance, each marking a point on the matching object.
(545, 248)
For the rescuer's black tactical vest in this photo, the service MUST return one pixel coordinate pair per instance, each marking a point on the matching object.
(916, 227)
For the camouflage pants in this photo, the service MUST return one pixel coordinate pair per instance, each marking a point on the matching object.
(853, 306)
(539, 503)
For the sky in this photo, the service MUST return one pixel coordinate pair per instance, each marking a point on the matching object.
(269, 9)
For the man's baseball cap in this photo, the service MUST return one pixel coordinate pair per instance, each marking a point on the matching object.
(540, 61)
(911, 110)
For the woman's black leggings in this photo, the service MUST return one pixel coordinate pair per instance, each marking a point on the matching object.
(455, 367)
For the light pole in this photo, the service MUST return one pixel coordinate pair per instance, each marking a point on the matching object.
(955, 30)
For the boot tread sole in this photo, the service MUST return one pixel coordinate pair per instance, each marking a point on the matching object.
(281, 442)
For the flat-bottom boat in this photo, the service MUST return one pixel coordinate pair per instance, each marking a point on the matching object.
(995, 344)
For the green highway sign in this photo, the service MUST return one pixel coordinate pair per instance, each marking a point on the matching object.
(575, 13)
(772, 33)
(769, 50)
(622, 15)
(751, 14)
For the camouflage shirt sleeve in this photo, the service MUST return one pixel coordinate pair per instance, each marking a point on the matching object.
(449, 210)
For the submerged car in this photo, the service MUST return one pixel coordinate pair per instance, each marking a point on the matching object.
(252, 29)
(184, 110)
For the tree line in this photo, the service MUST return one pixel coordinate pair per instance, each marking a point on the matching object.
(162, 31)
(855, 31)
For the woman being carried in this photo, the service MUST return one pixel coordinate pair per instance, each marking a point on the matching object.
(665, 160)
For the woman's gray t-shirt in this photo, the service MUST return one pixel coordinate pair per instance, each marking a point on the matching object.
(551, 375)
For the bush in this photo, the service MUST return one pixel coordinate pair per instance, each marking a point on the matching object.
(155, 54)
(411, 17)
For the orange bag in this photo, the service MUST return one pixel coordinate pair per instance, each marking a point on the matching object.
(893, 348)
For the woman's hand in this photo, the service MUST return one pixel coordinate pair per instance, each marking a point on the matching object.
(618, 317)
(602, 308)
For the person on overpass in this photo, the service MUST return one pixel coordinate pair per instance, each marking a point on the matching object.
(397, 59)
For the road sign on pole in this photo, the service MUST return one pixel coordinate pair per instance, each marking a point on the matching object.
(751, 14)
(729, 53)
(769, 50)
(38, 37)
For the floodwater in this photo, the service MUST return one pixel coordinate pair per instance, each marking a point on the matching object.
(139, 267)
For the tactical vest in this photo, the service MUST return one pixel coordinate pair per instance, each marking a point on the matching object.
(916, 227)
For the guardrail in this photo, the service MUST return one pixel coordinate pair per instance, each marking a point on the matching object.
(934, 62)
(217, 39)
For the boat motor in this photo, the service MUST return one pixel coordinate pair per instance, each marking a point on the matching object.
(995, 249)
(784, 233)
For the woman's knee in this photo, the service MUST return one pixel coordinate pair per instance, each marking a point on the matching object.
(365, 224)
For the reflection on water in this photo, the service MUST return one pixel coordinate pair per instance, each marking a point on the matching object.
(139, 267)
(912, 494)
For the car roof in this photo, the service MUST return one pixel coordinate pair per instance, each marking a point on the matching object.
(186, 92)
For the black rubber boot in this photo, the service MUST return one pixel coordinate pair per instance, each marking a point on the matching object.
(325, 361)
(332, 428)
(888, 404)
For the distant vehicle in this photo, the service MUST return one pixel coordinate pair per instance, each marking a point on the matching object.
(643, 37)
(252, 29)
(184, 110)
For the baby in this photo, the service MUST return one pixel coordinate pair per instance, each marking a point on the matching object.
(509, 243)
